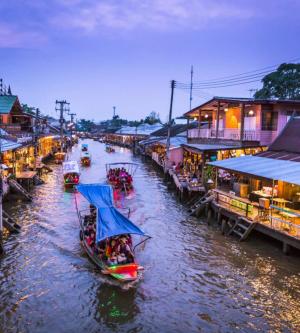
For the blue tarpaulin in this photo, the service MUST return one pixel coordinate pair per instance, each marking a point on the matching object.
(110, 222)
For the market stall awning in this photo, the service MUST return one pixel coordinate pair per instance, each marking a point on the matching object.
(7, 145)
(110, 222)
(199, 147)
(262, 167)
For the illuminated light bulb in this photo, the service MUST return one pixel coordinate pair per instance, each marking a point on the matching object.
(226, 109)
(251, 113)
(195, 118)
(206, 116)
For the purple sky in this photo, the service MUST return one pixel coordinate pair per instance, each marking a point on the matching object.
(100, 53)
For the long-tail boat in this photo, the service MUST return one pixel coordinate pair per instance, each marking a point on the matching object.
(71, 173)
(109, 225)
(120, 175)
(85, 158)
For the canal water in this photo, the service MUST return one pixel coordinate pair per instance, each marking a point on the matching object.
(195, 280)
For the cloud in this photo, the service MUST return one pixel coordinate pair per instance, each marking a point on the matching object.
(14, 37)
(92, 15)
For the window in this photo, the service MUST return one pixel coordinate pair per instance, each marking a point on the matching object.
(269, 120)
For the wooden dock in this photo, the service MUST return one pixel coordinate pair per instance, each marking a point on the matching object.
(233, 223)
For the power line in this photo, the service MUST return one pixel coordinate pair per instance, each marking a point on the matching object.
(247, 77)
(233, 80)
(246, 73)
(222, 86)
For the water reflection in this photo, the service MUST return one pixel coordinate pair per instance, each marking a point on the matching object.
(116, 306)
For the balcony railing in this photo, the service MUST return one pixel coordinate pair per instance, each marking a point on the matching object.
(227, 134)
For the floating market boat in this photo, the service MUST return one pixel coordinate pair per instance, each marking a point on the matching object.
(84, 147)
(59, 157)
(109, 149)
(109, 225)
(71, 173)
(85, 158)
(120, 175)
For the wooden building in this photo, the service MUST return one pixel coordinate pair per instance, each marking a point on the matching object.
(264, 189)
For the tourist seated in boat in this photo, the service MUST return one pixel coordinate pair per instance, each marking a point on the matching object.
(91, 240)
(124, 252)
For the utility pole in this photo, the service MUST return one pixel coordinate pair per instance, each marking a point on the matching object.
(36, 135)
(191, 87)
(173, 84)
(114, 113)
(72, 122)
(63, 107)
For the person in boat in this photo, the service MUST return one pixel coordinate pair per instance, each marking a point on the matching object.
(91, 240)
(125, 254)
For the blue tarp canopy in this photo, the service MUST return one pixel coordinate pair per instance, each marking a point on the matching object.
(110, 222)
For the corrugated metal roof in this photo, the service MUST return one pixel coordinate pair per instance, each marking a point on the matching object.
(263, 167)
(175, 141)
(150, 140)
(6, 103)
(213, 147)
(289, 138)
(144, 129)
(8, 145)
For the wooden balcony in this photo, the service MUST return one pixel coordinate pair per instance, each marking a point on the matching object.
(225, 134)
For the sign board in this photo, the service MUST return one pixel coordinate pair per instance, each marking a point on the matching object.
(70, 166)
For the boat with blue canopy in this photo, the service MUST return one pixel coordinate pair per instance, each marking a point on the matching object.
(106, 233)
(84, 147)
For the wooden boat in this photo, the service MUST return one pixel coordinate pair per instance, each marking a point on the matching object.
(109, 223)
(84, 147)
(109, 149)
(71, 173)
(59, 157)
(120, 175)
(85, 158)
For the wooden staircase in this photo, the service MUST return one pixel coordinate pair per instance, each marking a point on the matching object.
(20, 189)
(199, 205)
(242, 228)
(10, 224)
(37, 180)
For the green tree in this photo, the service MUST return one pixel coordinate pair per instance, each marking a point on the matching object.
(153, 118)
(284, 83)
(85, 125)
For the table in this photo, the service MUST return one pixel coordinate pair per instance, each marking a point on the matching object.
(280, 202)
(255, 195)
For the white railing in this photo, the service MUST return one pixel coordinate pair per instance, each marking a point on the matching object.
(232, 134)
(199, 133)
(226, 133)
(251, 135)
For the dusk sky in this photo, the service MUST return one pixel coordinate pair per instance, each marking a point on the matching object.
(100, 53)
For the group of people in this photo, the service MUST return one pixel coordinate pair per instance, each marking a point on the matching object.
(114, 250)
(120, 178)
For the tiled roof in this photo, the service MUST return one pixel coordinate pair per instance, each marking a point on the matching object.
(6, 103)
